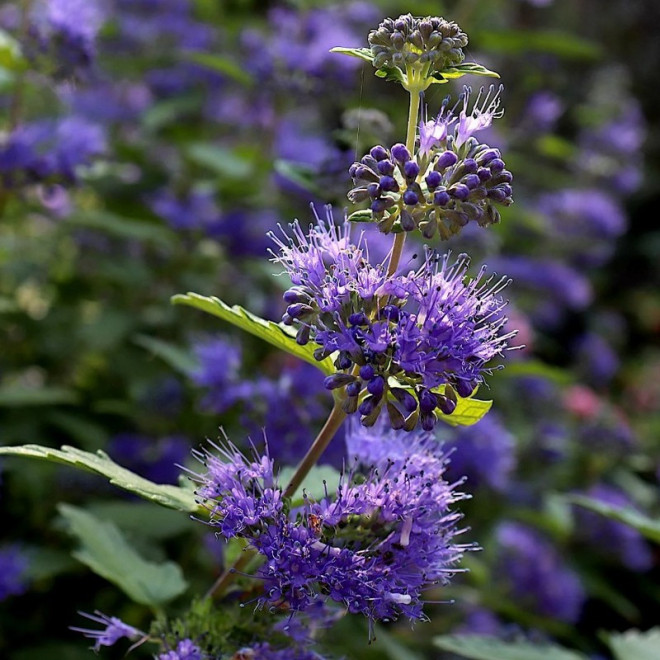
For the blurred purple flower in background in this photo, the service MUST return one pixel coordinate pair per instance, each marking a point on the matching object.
(485, 453)
(14, 565)
(195, 211)
(154, 458)
(609, 538)
(535, 574)
(49, 150)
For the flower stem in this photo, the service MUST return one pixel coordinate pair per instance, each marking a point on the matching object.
(228, 575)
(411, 134)
(331, 426)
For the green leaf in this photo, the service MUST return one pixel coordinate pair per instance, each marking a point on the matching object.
(646, 526)
(313, 482)
(365, 215)
(12, 396)
(11, 57)
(362, 53)
(636, 645)
(143, 518)
(129, 228)
(478, 647)
(172, 497)
(468, 410)
(468, 68)
(170, 111)
(556, 42)
(106, 552)
(221, 64)
(302, 175)
(224, 162)
(177, 357)
(278, 335)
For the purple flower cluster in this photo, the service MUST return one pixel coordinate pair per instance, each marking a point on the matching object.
(374, 544)
(49, 150)
(185, 649)
(432, 42)
(452, 180)
(535, 574)
(426, 329)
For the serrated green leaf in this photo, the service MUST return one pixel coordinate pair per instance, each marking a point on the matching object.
(106, 552)
(480, 647)
(636, 645)
(11, 57)
(12, 396)
(361, 53)
(178, 358)
(224, 162)
(468, 410)
(275, 334)
(221, 64)
(646, 526)
(172, 497)
(364, 215)
(471, 68)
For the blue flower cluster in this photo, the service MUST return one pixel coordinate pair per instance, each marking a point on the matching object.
(428, 328)
(373, 544)
(450, 181)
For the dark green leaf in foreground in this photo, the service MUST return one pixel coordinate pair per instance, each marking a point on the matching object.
(636, 645)
(172, 497)
(275, 334)
(646, 526)
(105, 551)
(478, 647)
